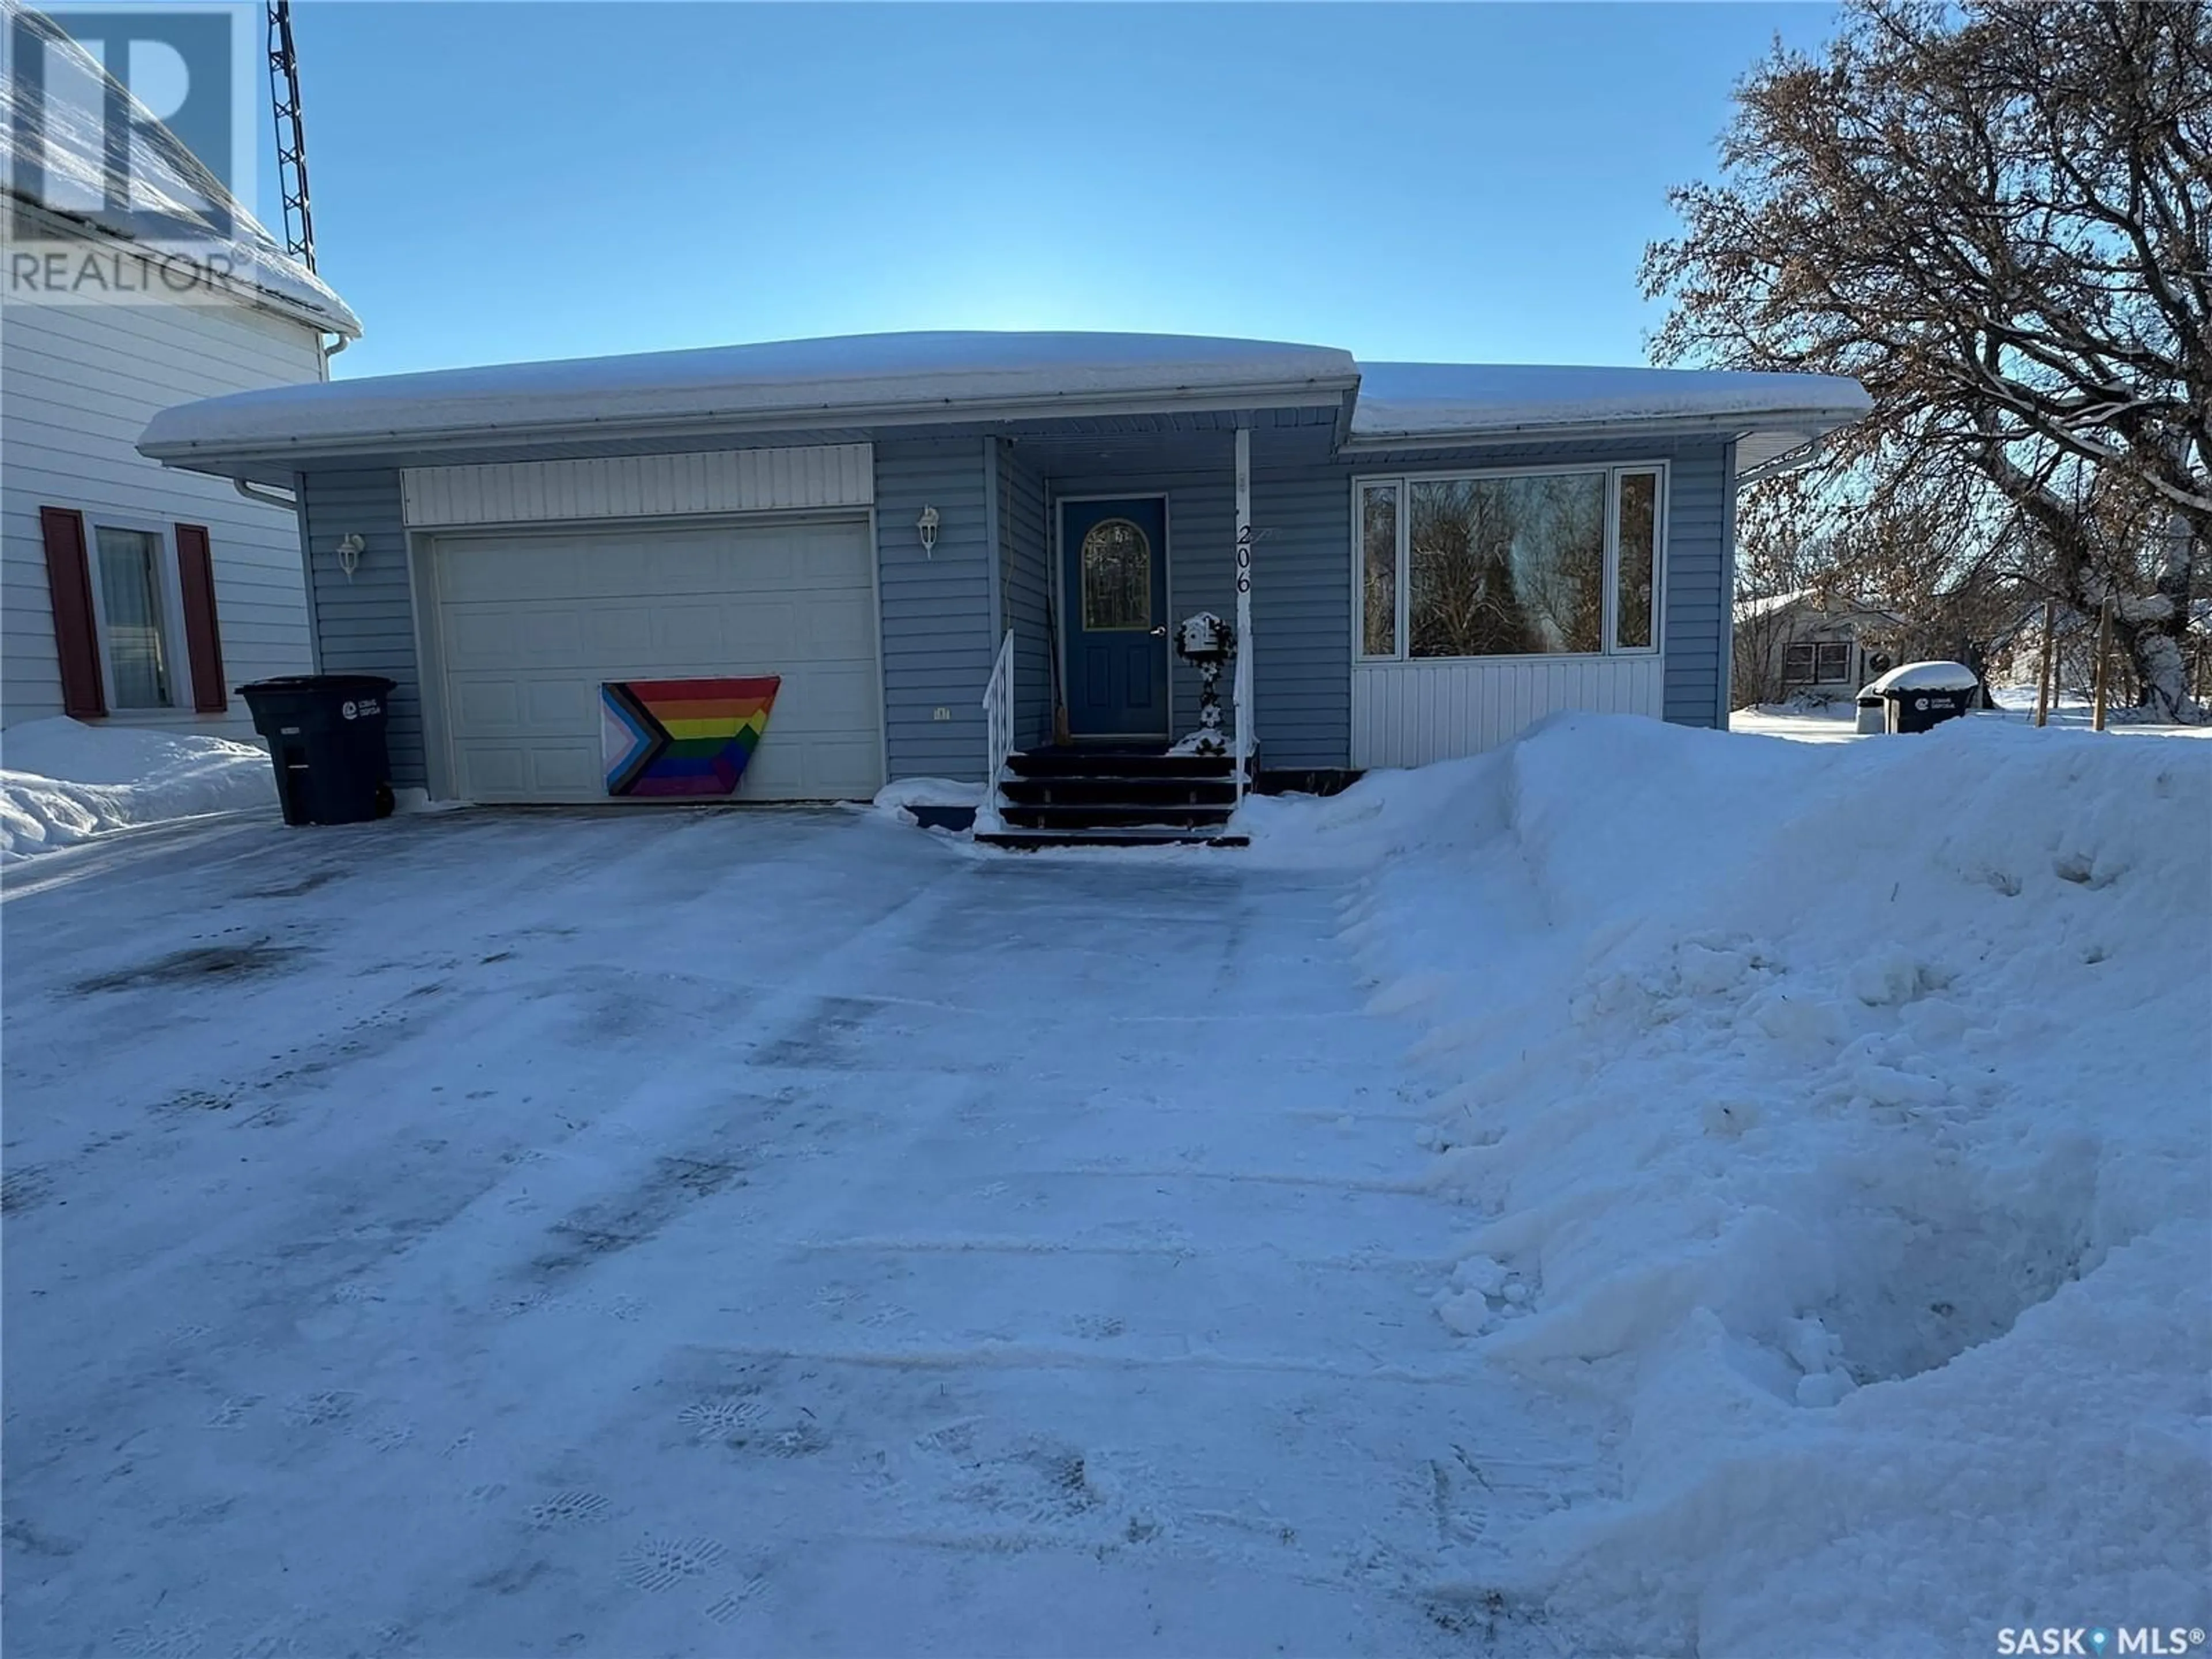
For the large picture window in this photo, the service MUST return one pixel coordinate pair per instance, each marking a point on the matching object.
(1509, 564)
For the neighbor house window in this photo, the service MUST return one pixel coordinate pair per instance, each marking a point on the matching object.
(1816, 662)
(134, 633)
(1509, 564)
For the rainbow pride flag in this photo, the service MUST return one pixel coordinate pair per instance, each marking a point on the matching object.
(682, 737)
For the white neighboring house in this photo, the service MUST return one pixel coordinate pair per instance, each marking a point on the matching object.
(1808, 644)
(129, 591)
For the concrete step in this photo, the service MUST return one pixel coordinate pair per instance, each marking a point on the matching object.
(1079, 763)
(1117, 789)
(1114, 815)
(1031, 840)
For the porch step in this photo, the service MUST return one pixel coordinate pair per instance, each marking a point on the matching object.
(1113, 763)
(1116, 814)
(1070, 797)
(1031, 840)
(1119, 789)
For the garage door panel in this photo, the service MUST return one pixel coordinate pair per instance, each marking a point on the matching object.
(548, 635)
(835, 559)
(477, 639)
(688, 634)
(822, 700)
(756, 633)
(532, 624)
(494, 772)
(489, 706)
(837, 769)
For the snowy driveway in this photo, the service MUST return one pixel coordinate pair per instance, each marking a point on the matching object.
(753, 1232)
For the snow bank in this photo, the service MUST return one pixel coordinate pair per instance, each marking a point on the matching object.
(899, 801)
(1838, 1113)
(63, 782)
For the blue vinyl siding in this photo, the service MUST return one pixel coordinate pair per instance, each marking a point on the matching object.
(365, 624)
(1302, 575)
(1024, 585)
(937, 639)
(1301, 590)
(1301, 615)
(1700, 585)
(937, 643)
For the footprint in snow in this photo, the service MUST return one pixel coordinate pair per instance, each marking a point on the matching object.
(316, 1410)
(728, 1606)
(232, 1412)
(574, 1507)
(714, 1417)
(178, 1641)
(656, 1563)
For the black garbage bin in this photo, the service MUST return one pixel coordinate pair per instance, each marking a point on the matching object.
(326, 736)
(1920, 695)
(1920, 710)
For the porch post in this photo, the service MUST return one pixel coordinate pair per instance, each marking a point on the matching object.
(1243, 680)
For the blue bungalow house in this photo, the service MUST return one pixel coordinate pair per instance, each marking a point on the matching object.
(961, 555)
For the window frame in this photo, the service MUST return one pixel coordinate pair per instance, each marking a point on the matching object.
(1405, 479)
(1815, 648)
(175, 649)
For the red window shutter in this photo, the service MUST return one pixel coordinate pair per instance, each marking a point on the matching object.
(202, 639)
(68, 585)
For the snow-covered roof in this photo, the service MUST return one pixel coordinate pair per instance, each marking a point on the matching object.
(856, 380)
(1767, 604)
(65, 177)
(845, 379)
(1428, 401)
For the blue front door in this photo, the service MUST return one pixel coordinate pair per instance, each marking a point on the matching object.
(1115, 580)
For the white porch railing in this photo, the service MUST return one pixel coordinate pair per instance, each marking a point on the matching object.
(1241, 685)
(998, 722)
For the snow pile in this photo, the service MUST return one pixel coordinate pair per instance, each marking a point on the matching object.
(1925, 677)
(63, 782)
(900, 801)
(1840, 1114)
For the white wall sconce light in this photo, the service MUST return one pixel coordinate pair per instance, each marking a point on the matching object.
(926, 527)
(351, 549)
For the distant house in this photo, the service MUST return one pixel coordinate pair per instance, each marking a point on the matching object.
(130, 591)
(1810, 644)
(964, 553)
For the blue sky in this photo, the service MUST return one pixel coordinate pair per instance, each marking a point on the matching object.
(522, 180)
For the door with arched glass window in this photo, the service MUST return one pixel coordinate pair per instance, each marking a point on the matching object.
(1114, 557)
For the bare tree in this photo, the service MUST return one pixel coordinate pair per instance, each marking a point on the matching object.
(1998, 217)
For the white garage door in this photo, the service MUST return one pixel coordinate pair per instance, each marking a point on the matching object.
(531, 623)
